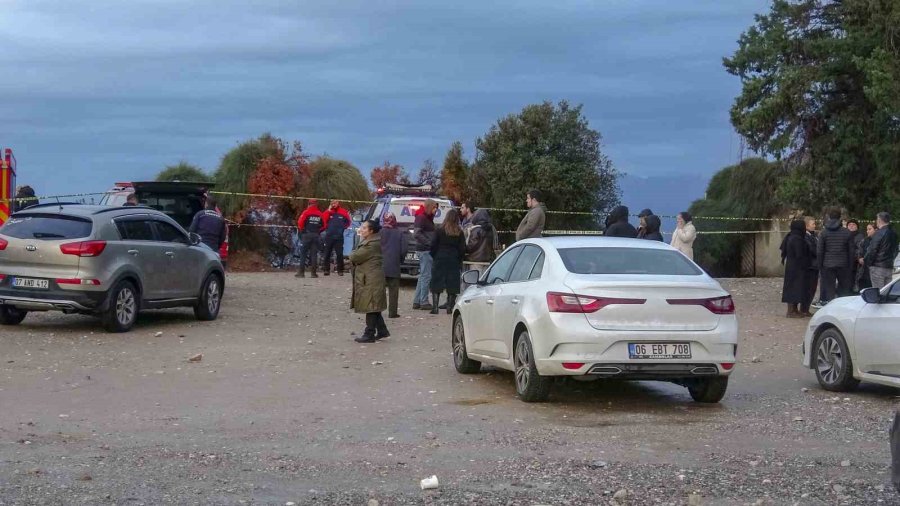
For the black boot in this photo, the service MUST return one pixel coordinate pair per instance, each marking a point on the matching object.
(435, 299)
(382, 328)
(451, 301)
(300, 273)
(371, 324)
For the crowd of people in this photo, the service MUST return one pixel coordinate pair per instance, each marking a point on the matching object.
(466, 236)
(839, 260)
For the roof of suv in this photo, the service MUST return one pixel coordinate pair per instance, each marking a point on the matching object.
(87, 210)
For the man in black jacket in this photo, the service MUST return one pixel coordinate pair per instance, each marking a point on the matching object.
(834, 256)
(882, 252)
(617, 224)
(209, 225)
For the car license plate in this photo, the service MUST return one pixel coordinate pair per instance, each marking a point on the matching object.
(412, 257)
(41, 284)
(659, 350)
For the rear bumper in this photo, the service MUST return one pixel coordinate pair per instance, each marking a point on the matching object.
(570, 340)
(54, 300)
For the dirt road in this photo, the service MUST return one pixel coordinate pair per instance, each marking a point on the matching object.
(285, 407)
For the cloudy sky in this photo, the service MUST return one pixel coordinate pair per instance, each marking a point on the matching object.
(105, 90)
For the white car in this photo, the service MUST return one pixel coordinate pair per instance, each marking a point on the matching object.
(596, 307)
(855, 339)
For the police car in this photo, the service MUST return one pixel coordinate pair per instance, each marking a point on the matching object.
(405, 201)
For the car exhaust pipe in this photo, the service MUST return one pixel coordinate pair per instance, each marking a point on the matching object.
(605, 370)
(700, 371)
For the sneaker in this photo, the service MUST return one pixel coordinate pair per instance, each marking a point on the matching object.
(417, 306)
(818, 304)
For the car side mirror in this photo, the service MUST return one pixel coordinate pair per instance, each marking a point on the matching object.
(195, 238)
(871, 295)
(471, 277)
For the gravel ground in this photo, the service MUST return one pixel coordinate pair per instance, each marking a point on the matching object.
(285, 408)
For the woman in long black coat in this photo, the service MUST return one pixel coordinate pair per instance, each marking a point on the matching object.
(795, 257)
(448, 251)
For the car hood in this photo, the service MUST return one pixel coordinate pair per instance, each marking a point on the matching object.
(852, 304)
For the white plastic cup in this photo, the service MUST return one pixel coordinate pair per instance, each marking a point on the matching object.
(430, 483)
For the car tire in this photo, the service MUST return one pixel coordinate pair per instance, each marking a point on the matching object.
(11, 316)
(531, 386)
(832, 362)
(207, 308)
(461, 360)
(708, 390)
(124, 305)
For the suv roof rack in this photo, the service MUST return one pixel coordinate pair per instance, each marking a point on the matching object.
(53, 204)
(424, 190)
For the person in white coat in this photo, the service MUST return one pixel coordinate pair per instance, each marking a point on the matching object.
(684, 235)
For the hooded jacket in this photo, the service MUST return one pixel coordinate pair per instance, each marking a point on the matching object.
(482, 238)
(651, 231)
(617, 224)
(835, 248)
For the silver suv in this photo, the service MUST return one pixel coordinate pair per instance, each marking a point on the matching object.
(111, 262)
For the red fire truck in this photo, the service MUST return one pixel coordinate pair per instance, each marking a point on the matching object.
(7, 183)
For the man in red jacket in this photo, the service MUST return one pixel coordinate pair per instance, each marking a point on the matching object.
(310, 225)
(334, 221)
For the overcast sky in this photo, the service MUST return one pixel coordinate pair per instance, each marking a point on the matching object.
(106, 90)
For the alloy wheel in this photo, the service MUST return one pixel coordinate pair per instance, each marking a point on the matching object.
(459, 342)
(829, 360)
(523, 364)
(125, 306)
(212, 296)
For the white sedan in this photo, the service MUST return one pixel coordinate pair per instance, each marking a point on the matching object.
(596, 307)
(855, 339)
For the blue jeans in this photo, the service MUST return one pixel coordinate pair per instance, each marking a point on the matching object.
(422, 287)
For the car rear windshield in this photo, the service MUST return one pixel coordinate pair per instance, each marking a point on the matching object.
(46, 226)
(627, 261)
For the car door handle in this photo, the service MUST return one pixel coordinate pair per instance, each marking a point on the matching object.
(515, 301)
(490, 301)
(133, 252)
(467, 301)
(170, 253)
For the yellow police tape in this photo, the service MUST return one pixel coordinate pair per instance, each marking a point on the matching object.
(370, 202)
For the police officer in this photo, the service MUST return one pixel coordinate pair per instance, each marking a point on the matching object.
(310, 225)
(334, 221)
(209, 225)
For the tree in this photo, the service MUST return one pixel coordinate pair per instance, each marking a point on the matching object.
(236, 168)
(428, 174)
(455, 174)
(821, 90)
(183, 171)
(338, 179)
(388, 173)
(746, 189)
(551, 148)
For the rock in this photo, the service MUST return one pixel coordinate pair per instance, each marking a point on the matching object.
(838, 489)
(621, 495)
(158, 334)
(598, 464)
(377, 362)
(290, 503)
(372, 502)
(695, 500)
(804, 390)
(845, 463)
(35, 470)
(196, 358)
(798, 418)
(755, 360)
(85, 477)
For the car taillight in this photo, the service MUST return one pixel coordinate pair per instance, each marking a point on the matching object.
(570, 303)
(77, 281)
(572, 366)
(717, 305)
(83, 249)
(727, 365)
(3, 244)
